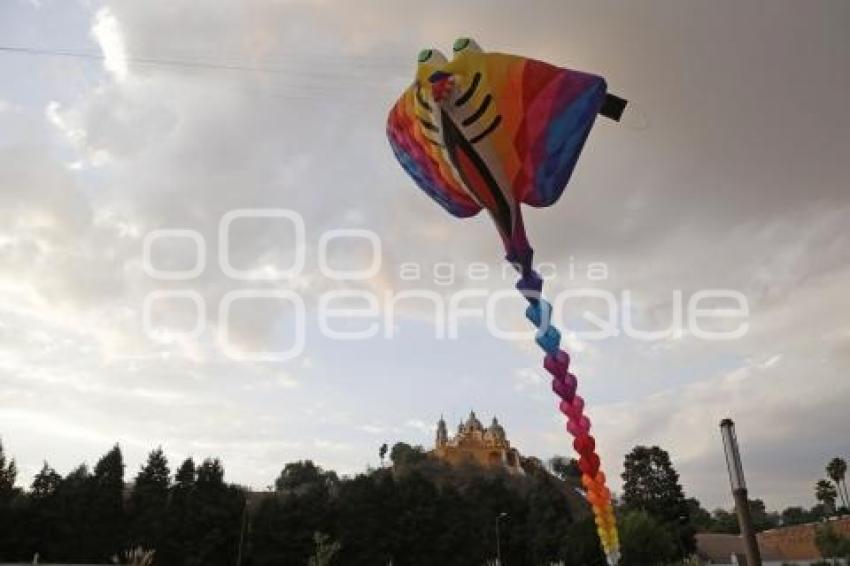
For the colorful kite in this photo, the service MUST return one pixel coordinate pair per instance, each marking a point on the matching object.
(489, 130)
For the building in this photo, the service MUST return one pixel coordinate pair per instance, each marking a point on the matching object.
(472, 442)
(796, 543)
(721, 549)
(792, 545)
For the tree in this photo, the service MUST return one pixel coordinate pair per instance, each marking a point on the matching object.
(796, 516)
(285, 524)
(651, 484)
(825, 493)
(830, 543)
(403, 454)
(565, 468)
(8, 474)
(819, 512)
(762, 520)
(546, 520)
(154, 475)
(106, 511)
(184, 479)
(45, 483)
(365, 510)
(74, 540)
(304, 475)
(382, 453)
(175, 544)
(581, 544)
(724, 521)
(216, 512)
(326, 550)
(836, 470)
(45, 513)
(209, 514)
(10, 506)
(210, 474)
(700, 518)
(79, 519)
(149, 501)
(645, 541)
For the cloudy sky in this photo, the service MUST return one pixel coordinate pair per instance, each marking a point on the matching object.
(728, 172)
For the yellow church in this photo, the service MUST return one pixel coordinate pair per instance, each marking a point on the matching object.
(486, 446)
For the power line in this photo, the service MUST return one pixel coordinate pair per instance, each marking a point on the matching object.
(306, 84)
(207, 65)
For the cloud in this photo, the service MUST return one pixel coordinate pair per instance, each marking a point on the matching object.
(372, 429)
(107, 31)
(775, 414)
(528, 378)
(419, 425)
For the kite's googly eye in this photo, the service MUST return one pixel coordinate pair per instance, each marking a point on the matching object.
(431, 57)
(465, 44)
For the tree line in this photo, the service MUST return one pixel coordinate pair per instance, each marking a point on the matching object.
(415, 511)
(826, 493)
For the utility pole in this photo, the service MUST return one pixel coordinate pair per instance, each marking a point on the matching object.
(242, 531)
(739, 491)
(499, 517)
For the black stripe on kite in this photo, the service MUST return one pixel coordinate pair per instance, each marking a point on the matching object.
(421, 100)
(493, 125)
(480, 112)
(455, 142)
(428, 125)
(435, 142)
(464, 98)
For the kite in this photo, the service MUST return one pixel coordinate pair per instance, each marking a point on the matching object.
(493, 131)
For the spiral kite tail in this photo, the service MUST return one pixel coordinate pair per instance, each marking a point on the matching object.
(564, 383)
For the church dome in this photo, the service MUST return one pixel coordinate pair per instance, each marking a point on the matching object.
(495, 431)
(472, 423)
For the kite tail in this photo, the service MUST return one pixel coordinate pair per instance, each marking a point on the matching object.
(557, 363)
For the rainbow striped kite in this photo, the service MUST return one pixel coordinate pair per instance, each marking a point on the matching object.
(491, 131)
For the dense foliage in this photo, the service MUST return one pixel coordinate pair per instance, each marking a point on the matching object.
(831, 543)
(91, 516)
(420, 512)
(416, 511)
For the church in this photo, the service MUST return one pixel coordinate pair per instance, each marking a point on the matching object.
(486, 446)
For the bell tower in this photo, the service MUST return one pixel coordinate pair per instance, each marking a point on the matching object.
(442, 433)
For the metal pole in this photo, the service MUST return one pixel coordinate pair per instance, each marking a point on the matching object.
(498, 544)
(739, 492)
(745, 520)
(242, 531)
(499, 517)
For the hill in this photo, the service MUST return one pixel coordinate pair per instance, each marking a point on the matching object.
(423, 511)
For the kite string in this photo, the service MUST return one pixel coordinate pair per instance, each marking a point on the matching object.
(564, 384)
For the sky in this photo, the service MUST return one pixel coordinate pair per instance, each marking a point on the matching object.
(728, 171)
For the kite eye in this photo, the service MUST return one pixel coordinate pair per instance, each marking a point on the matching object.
(465, 45)
(431, 57)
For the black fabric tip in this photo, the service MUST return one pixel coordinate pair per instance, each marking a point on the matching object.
(613, 107)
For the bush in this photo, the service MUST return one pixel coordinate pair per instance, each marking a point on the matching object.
(831, 544)
(645, 541)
